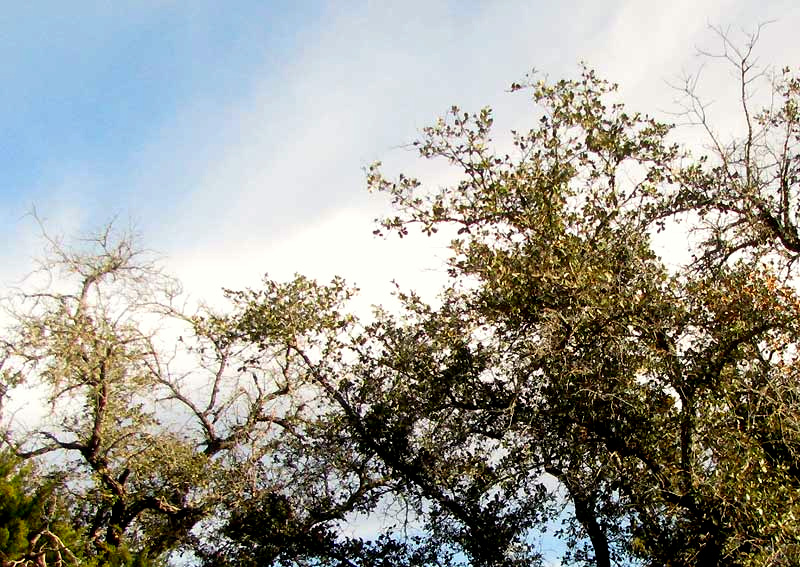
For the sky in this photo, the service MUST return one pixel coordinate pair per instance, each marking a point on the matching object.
(234, 136)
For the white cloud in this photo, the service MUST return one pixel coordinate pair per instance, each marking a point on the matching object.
(341, 244)
(269, 179)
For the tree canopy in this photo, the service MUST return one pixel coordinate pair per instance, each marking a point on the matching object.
(569, 378)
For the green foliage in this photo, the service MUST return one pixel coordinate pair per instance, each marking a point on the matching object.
(657, 398)
(34, 525)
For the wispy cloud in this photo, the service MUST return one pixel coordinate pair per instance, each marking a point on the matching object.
(257, 165)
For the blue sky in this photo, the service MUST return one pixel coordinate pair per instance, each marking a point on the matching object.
(233, 135)
(87, 90)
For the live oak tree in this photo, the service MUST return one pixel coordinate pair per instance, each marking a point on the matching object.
(158, 420)
(663, 401)
(82, 337)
